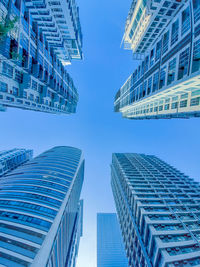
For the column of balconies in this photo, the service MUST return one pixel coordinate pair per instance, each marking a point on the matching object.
(168, 72)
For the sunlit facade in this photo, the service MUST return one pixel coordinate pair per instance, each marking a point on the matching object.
(13, 158)
(41, 212)
(165, 36)
(110, 247)
(158, 210)
(33, 56)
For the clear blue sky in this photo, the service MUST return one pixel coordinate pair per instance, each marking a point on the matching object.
(95, 128)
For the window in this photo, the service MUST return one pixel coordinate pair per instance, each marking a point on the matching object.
(183, 64)
(34, 85)
(146, 63)
(155, 81)
(174, 35)
(15, 91)
(174, 105)
(196, 7)
(3, 87)
(165, 42)
(185, 21)
(183, 104)
(152, 57)
(149, 85)
(25, 218)
(7, 70)
(158, 50)
(162, 77)
(167, 107)
(171, 71)
(141, 91)
(145, 88)
(195, 101)
(196, 57)
(18, 76)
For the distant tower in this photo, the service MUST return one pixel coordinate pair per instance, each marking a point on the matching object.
(33, 56)
(165, 37)
(13, 158)
(41, 215)
(158, 209)
(110, 247)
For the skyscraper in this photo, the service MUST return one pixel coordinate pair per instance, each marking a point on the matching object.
(41, 215)
(165, 37)
(158, 209)
(33, 55)
(11, 159)
(110, 247)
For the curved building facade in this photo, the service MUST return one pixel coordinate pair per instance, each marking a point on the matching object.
(13, 158)
(39, 209)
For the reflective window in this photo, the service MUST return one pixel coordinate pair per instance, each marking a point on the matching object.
(171, 71)
(165, 42)
(196, 57)
(196, 7)
(183, 64)
(174, 34)
(12, 216)
(185, 21)
(162, 77)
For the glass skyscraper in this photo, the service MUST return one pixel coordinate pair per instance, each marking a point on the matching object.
(159, 211)
(11, 159)
(110, 247)
(46, 37)
(41, 212)
(164, 35)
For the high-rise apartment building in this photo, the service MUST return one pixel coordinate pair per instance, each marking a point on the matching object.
(110, 247)
(11, 159)
(41, 212)
(46, 37)
(158, 210)
(165, 36)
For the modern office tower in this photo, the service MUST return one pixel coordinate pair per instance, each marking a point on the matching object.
(41, 215)
(158, 210)
(110, 247)
(11, 159)
(165, 36)
(33, 55)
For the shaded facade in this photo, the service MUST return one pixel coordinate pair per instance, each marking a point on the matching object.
(33, 55)
(165, 36)
(158, 210)
(110, 247)
(41, 213)
(13, 158)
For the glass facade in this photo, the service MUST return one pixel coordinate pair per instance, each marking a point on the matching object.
(34, 55)
(169, 50)
(11, 159)
(158, 210)
(110, 247)
(41, 215)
